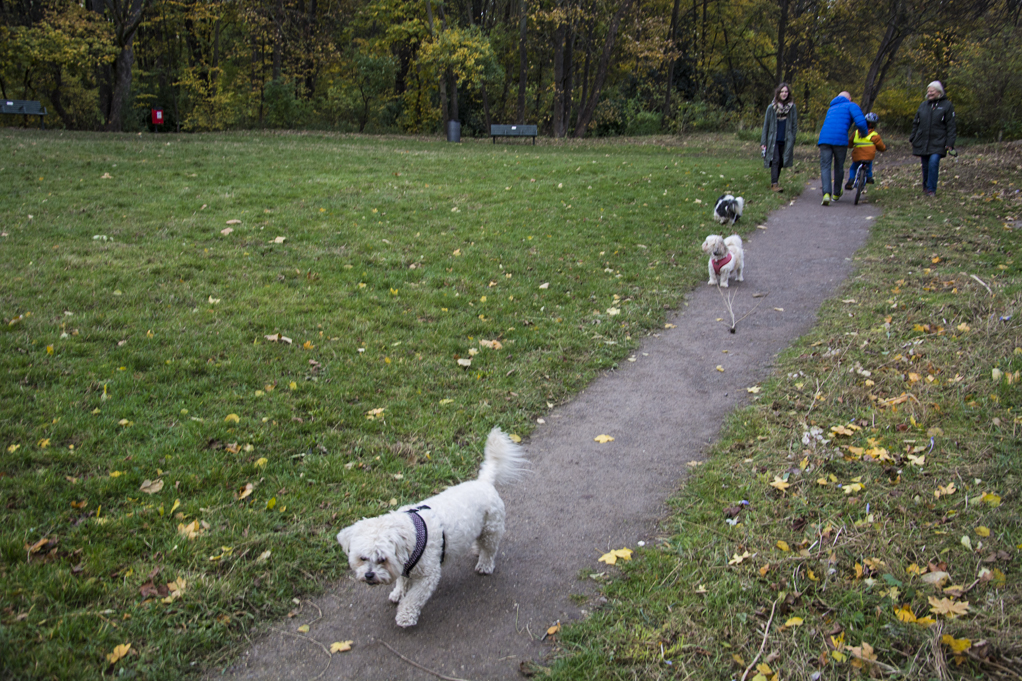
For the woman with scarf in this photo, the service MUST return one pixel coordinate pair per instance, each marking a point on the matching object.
(780, 125)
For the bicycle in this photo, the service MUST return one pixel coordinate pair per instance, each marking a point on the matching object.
(860, 182)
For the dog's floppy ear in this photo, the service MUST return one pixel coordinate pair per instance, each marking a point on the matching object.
(344, 538)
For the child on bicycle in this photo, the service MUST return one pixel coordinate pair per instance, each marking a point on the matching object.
(864, 150)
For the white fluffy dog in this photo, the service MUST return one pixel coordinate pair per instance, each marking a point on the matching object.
(727, 259)
(406, 547)
(728, 209)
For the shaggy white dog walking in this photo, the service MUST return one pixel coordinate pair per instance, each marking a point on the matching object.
(727, 259)
(406, 547)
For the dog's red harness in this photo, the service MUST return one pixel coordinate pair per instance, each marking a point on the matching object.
(718, 264)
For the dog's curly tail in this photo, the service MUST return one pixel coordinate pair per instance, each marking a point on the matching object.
(504, 461)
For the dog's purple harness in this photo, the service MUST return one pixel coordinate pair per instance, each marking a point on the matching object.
(421, 539)
(718, 264)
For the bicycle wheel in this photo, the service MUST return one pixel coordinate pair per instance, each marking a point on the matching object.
(860, 182)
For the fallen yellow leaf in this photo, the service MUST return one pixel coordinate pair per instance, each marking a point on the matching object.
(119, 652)
(232, 418)
(340, 646)
(152, 486)
(957, 645)
(948, 607)
(738, 558)
(611, 558)
(602, 439)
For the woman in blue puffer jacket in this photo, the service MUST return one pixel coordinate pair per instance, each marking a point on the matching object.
(833, 143)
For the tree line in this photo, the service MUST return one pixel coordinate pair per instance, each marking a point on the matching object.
(573, 67)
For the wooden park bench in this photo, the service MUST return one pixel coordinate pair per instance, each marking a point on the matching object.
(23, 107)
(513, 131)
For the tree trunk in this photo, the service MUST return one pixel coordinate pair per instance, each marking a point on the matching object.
(523, 61)
(55, 99)
(585, 88)
(782, 30)
(454, 97)
(569, 70)
(216, 43)
(672, 42)
(558, 117)
(601, 70)
(888, 50)
(278, 40)
(127, 16)
(486, 108)
(443, 79)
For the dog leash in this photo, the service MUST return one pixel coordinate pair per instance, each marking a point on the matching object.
(421, 539)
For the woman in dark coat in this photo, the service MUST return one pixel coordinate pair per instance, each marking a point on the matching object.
(780, 125)
(934, 132)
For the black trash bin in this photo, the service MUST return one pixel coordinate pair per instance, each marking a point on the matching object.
(453, 131)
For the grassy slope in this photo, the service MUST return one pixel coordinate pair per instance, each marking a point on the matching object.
(844, 530)
(133, 348)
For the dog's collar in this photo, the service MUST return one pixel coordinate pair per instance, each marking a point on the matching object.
(421, 539)
(718, 264)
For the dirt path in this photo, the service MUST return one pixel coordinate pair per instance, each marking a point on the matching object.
(585, 498)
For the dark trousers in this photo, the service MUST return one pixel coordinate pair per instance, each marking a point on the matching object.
(776, 162)
(832, 155)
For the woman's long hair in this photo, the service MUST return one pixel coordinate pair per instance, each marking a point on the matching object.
(777, 94)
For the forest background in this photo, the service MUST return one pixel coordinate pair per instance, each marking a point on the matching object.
(574, 67)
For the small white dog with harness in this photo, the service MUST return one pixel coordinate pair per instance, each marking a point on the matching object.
(727, 259)
(407, 546)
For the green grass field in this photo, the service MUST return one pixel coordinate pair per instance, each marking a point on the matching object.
(218, 350)
(862, 519)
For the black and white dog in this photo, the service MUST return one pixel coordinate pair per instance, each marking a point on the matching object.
(728, 209)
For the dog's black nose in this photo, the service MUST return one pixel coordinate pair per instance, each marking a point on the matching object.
(370, 576)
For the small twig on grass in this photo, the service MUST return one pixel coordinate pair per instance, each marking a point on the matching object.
(939, 662)
(982, 282)
(419, 666)
(762, 646)
(886, 668)
(318, 610)
(1000, 668)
